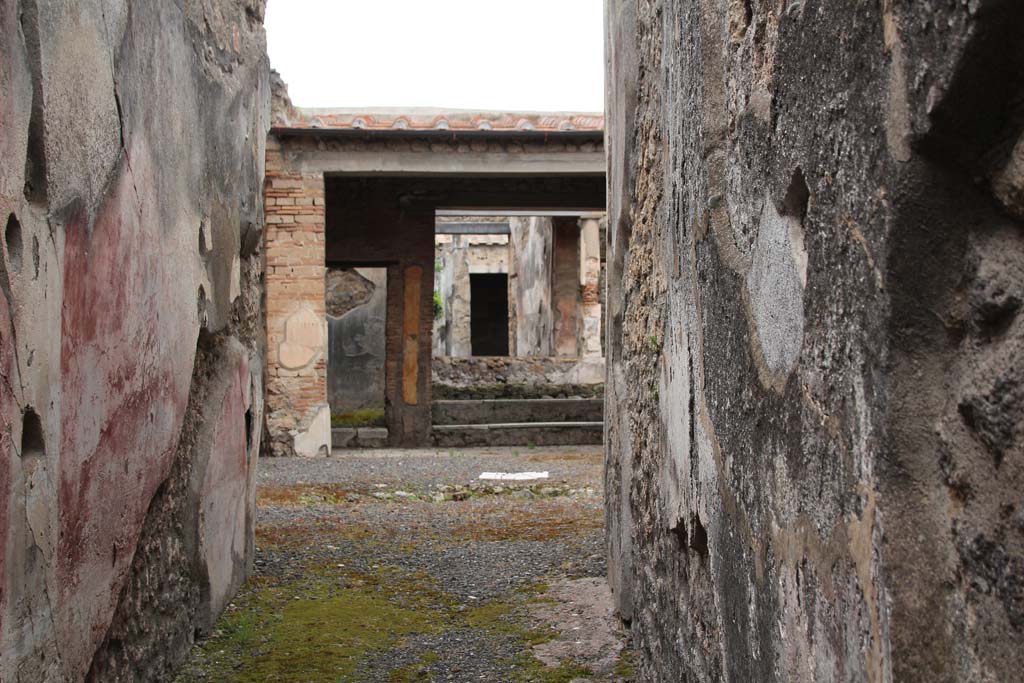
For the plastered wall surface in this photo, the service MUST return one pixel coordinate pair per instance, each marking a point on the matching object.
(356, 357)
(534, 324)
(814, 344)
(456, 257)
(568, 276)
(132, 144)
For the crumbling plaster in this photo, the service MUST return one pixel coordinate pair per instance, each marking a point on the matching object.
(356, 354)
(534, 325)
(813, 400)
(132, 135)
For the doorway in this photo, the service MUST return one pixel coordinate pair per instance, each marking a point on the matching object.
(489, 314)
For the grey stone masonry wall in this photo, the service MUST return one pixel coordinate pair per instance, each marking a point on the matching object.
(815, 396)
(548, 371)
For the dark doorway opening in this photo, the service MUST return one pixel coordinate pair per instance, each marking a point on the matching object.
(489, 314)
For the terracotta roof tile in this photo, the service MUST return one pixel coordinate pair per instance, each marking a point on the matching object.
(433, 119)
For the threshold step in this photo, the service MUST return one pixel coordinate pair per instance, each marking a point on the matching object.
(512, 411)
(359, 437)
(519, 434)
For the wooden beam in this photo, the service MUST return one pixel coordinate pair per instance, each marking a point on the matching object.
(411, 334)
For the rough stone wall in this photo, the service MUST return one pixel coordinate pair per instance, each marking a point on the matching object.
(487, 253)
(513, 300)
(816, 356)
(132, 138)
(549, 372)
(449, 265)
(555, 303)
(347, 289)
(298, 414)
(454, 262)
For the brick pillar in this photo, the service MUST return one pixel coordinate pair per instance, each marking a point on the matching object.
(298, 415)
(565, 288)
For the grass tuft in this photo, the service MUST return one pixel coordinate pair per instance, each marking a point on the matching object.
(370, 417)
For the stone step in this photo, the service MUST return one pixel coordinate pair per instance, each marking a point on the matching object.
(359, 437)
(519, 434)
(506, 411)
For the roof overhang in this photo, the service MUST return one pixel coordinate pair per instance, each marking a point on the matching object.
(577, 136)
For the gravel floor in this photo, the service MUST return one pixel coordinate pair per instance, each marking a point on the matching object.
(426, 468)
(400, 566)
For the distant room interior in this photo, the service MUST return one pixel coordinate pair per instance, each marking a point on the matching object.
(489, 314)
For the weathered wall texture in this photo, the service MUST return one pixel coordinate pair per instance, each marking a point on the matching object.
(550, 372)
(555, 274)
(298, 414)
(566, 299)
(532, 247)
(451, 282)
(346, 289)
(816, 352)
(456, 257)
(355, 358)
(591, 267)
(132, 145)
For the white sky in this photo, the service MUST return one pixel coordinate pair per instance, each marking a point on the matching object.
(543, 55)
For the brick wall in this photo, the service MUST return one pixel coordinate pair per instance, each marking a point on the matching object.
(298, 415)
(565, 286)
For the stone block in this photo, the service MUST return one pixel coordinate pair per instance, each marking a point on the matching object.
(342, 437)
(372, 437)
(316, 439)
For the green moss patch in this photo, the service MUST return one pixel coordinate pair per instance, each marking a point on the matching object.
(318, 630)
(322, 619)
(415, 672)
(529, 669)
(625, 668)
(302, 495)
(324, 639)
(371, 417)
(324, 627)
